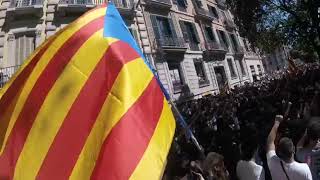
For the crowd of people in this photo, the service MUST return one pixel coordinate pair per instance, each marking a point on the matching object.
(243, 130)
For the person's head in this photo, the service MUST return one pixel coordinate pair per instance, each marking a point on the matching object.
(248, 149)
(285, 149)
(214, 165)
(313, 131)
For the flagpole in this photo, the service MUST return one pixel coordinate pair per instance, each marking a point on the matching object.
(180, 119)
(183, 123)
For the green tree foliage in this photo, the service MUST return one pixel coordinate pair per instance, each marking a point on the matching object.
(270, 23)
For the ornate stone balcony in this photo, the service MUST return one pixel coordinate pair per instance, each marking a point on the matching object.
(23, 7)
(213, 51)
(164, 4)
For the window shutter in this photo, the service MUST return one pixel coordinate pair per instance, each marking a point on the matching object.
(173, 31)
(213, 35)
(220, 37)
(196, 35)
(225, 38)
(184, 31)
(206, 34)
(155, 26)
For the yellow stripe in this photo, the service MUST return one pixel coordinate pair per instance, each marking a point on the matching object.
(57, 105)
(132, 80)
(152, 164)
(46, 57)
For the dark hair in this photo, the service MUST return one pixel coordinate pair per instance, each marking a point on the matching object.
(314, 128)
(248, 148)
(285, 149)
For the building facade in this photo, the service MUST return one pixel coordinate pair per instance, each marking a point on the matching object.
(193, 44)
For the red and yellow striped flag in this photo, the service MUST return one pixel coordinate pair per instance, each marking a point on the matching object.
(85, 105)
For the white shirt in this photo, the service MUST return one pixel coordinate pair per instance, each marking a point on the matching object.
(295, 170)
(311, 157)
(249, 170)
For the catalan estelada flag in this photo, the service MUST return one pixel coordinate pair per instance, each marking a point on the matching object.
(85, 105)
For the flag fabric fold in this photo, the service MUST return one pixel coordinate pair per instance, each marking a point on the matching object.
(85, 105)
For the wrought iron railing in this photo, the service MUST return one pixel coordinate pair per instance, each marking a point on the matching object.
(6, 73)
(124, 4)
(203, 82)
(177, 87)
(25, 3)
(194, 46)
(169, 41)
(168, 2)
(76, 2)
(204, 13)
(213, 46)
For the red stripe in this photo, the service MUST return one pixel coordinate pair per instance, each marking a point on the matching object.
(70, 140)
(15, 89)
(38, 94)
(128, 140)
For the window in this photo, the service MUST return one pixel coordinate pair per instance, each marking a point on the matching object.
(242, 67)
(182, 3)
(246, 44)
(231, 67)
(163, 27)
(213, 11)
(190, 34)
(24, 46)
(176, 75)
(223, 38)
(259, 70)
(234, 42)
(134, 34)
(253, 71)
(198, 64)
(209, 34)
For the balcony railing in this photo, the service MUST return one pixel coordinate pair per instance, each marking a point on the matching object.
(25, 3)
(194, 46)
(170, 42)
(76, 2)
(204, 82)
(214, 46)
(162, 3)
(6, 74)
(200, 12)
(123, 4)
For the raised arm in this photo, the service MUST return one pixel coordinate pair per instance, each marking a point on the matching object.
(273, 133)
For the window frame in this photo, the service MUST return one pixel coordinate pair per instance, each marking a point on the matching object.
(232, 69)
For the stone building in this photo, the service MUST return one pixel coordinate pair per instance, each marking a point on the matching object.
(196, 47)
(193, 44)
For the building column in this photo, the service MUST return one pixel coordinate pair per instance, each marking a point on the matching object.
(143, 34)
(50, 28)
(3, 10)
